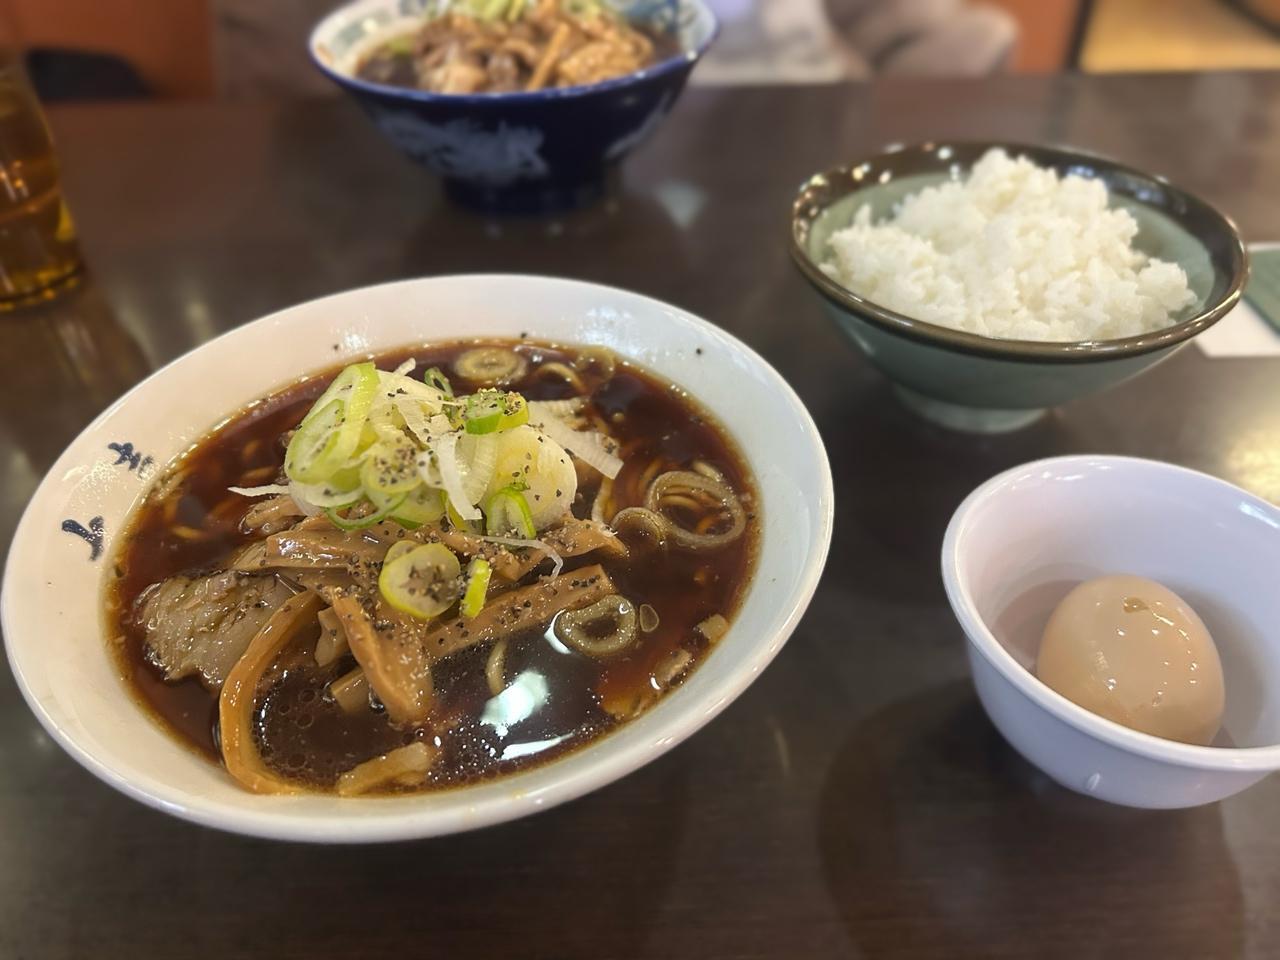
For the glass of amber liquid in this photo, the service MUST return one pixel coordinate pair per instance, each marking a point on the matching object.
(39, 255)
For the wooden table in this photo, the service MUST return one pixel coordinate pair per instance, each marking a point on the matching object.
(855, 802)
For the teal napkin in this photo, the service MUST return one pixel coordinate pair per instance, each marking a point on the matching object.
(1263, 291)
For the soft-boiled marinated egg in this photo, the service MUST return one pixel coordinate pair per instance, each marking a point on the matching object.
(1133, 651)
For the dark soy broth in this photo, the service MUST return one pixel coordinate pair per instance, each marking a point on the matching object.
(555, 698)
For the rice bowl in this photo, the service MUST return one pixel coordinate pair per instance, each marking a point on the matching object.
(1012, 251)
(969, 381)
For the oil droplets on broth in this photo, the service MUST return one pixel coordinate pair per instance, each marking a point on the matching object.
(1131, 650)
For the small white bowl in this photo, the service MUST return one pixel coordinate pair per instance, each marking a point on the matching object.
(1023, 539)
(51, 606)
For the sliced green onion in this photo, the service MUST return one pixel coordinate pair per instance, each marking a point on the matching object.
(455, 519)
(383, 426)
(326, 494)
(399, 549)
(489, 411)
(380, 514)
(331, 432)
(397, 386)
(479, 572)
(370, 434)
(508, 512)
(314, 437)
(516, 413)
(359, 378)
(490, 366)
(423, 505)
(386, 503)
(347, 478)
(434, 377)
(391, 468)
(414, 414)
(358, 405)
(400, 46)
(421, 580)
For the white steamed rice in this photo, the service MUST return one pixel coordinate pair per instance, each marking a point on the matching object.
(1012, 252)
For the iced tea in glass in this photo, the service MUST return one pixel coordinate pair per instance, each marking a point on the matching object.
(38, 250)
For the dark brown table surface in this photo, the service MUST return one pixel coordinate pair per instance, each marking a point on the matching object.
(855, 802)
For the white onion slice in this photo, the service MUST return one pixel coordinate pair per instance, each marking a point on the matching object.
(401, 386)
(587, 445)
(381, 418)
(446, 449)
(405, 368)
(411, 410)
(265, 490)
(477, 456)
(557, 561)
(312, 498)
(429, 470)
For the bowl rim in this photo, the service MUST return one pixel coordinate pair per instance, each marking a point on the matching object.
(425, 821)
(683, 59)
(980, 637)
(805, 209)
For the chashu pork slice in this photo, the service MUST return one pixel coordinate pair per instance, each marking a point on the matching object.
(200, 626)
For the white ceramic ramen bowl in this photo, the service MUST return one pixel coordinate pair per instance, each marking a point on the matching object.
(51, 607)
(1023, 539)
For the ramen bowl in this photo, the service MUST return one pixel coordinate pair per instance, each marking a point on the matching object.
(1023, 539)
(52, 609)
(984, 384)
(516, 152)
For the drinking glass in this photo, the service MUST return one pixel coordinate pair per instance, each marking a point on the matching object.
(39, 255)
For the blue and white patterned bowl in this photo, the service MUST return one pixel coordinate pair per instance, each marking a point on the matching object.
(514, 152)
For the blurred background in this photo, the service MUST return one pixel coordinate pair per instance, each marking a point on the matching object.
(110, 49)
